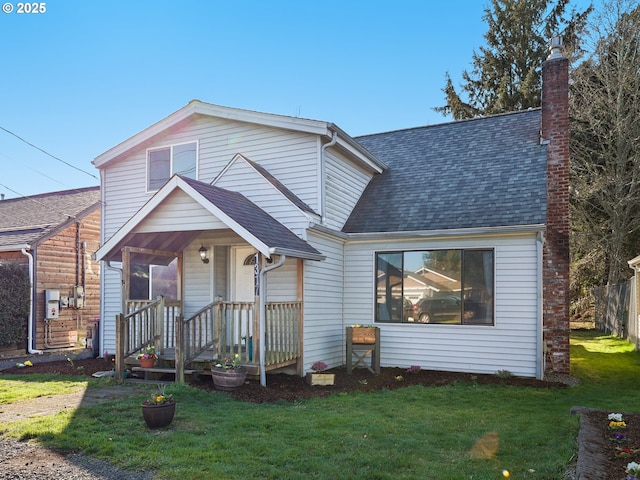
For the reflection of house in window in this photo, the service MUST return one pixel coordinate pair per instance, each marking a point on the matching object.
(164, 281)
(436, 283)
(151, 281)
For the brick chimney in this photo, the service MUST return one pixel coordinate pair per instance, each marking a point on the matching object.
(555, 270)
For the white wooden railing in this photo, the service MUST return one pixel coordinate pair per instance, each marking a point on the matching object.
(223, 329)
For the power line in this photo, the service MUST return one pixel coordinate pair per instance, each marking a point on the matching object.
(47, 153)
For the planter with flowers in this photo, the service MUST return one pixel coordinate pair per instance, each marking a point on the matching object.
(625, 447)
(317, 377)
(228, 374)
(364, 334)
(148, 357)
(159, 409)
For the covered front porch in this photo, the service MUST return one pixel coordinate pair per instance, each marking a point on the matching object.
(223, 249)
(221, 329)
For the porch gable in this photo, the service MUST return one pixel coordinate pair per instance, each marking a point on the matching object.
(217, 208)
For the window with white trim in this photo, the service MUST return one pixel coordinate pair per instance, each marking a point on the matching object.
(166, 161)
(454, 287)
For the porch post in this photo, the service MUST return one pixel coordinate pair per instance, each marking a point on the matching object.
(120, 347)
(126, 276)
(179, 359)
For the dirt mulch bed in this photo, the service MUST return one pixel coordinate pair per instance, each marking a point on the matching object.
(283, 387)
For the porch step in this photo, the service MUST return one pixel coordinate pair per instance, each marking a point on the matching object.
(164, 371)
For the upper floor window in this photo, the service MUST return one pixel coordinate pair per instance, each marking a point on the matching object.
(164, 162)
(453, 287)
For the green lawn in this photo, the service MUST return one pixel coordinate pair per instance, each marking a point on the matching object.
(455, 432)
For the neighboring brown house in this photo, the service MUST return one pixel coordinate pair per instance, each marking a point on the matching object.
(54, 235)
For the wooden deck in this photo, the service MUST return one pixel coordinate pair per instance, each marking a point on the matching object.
(219, 330)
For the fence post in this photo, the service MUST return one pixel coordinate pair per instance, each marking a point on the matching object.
(120, 347)
(179, 332)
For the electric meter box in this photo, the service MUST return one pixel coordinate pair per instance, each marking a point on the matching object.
(52, 304)
(78, 297)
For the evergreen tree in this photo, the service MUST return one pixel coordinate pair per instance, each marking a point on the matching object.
(506, 74)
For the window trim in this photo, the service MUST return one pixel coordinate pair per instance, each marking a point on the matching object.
(376, 254)
(171, 147)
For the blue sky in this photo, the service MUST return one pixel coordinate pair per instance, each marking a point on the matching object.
(84, 76)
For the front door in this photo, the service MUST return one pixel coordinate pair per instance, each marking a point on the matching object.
(242, 290)
(242, 272)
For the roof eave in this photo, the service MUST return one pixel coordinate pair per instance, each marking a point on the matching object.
(297, 254)
(356, 149)
(454, 232)
(196, 107)
(16, 247)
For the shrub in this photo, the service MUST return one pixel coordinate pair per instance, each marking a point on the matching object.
(14, 303)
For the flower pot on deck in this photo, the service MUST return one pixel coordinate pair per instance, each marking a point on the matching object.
(158, 416)
(147, 362)
(228, 379)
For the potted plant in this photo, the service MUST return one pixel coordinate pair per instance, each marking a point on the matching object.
(148, 356)
(158, 410)
(228, 374)
(317, 377)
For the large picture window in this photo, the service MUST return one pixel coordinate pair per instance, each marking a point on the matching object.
(164, 162)
(453, 287)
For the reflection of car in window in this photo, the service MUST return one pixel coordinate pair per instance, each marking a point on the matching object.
(408, 310)
(437, 310)
(448, 310)
(398, 313)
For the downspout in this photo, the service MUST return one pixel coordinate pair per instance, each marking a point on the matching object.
(263, 313)
(31, 340)
(119, 272)
(542, 348)
(323, 171)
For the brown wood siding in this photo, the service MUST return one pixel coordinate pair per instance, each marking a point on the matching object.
(61, 266)
(14, 257)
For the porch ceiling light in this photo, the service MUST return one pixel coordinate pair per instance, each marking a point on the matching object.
(203, 254)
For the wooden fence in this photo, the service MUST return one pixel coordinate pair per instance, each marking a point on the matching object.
(616, 311)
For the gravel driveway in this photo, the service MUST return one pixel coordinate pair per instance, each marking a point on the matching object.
(27, 460)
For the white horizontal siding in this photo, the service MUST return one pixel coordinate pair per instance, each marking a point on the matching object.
(323, 302)
(344, 185)
(292, 157)
(124, 191)
(111, 305)
(282, 282)
(510, 344)
(242, 177)
(197, 277)
(179, 212)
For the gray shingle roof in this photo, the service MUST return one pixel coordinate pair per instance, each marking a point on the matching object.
(255, 220)
(27, 220)
(485, 172)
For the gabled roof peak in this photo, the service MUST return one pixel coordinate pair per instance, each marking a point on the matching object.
(197, 107)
